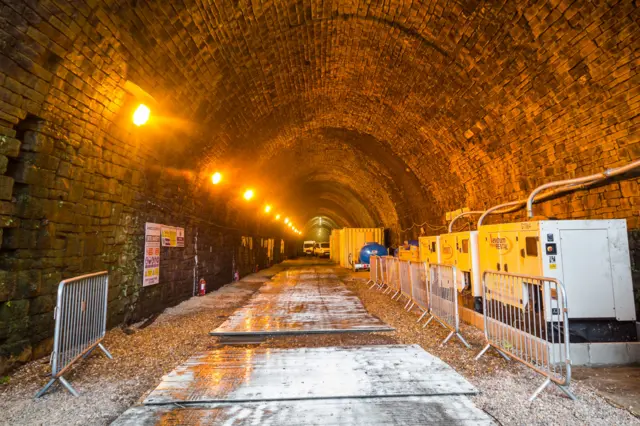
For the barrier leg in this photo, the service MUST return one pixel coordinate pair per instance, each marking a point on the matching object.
(68, 386)
(483, 351)
(45, 388)
(447, 338)
(464, 342)
(428, 321)
(566, 390)
(106, 352)
(487, 347)
(422, 316)
(540, 389)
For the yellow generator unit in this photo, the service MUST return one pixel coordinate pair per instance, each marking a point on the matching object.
(460, 249)
(429, 249)
(589, 257)
(409, 251)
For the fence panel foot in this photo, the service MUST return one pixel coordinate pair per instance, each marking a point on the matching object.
(428, 321)
(444, 342)
(566, 390)
(540, 389)
(68, 386)
(422, 316)
(45, 388)
(106, 352)
(483, 351)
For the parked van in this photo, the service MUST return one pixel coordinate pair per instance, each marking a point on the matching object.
(308, 247)
(323, 249)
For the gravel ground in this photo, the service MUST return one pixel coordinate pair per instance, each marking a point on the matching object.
(108, 387)
(504, 387)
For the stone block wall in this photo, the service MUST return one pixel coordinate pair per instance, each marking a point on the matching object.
(71, 210)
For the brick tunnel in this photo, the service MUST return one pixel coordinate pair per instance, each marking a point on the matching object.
(336, 113)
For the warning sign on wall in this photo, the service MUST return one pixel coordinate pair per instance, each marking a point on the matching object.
(172, 236)
(151, 274)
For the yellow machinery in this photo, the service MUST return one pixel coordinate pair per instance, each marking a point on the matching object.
(460, 249)
(409, 252)
(429, 249)
(589, 257)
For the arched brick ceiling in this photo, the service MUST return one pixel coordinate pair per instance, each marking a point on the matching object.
(479, 100)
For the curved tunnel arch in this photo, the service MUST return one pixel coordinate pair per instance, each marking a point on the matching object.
(475, 101)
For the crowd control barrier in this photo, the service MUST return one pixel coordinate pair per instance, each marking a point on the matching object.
(419, 287)
(374, 265)
(404, 274)
(443, 300)
(526, 318)
(81, 320)
(393, 276)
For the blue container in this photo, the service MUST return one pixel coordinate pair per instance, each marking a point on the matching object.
(371, 249)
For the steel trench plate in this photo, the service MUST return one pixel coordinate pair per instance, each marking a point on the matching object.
(301, 301)
(263, 374)
(414, 410)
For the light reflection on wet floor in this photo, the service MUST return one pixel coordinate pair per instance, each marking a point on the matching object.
(241, 374)
(363, 385)
(301, 301)
(414, 410)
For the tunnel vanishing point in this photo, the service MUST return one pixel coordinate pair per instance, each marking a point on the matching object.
(364, 114)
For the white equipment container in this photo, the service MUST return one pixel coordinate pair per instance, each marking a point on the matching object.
(589, 257)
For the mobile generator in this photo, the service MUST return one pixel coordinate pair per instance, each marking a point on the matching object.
(460, 249)
(589, 257)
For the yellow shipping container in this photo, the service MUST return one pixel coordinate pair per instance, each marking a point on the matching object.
(353, 239)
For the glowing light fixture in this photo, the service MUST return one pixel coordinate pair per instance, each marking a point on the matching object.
(216, 178)
(141, 115)
(286, 220)
(267, 208)
(248, 194)
(277, 217)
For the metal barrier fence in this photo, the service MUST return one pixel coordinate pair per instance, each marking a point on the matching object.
(393, 276)
(526, 317)
(373, 271)
(419, 287)
(404, 274)
(81, 319)
(443, 300)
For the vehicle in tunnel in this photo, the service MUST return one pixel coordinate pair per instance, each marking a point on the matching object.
(309, 247)
(323, 249)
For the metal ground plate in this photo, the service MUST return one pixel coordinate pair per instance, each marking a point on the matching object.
(302, 301)
(263, 374)
(415, 410)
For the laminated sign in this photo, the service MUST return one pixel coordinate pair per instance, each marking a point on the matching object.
(151, 254)
(172, 236)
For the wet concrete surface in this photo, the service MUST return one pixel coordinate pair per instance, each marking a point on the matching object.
(415, 410)
(310, 379)
(302, 300)
(265, 374)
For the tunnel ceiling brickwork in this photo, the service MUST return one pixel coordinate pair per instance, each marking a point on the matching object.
(480, 100)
